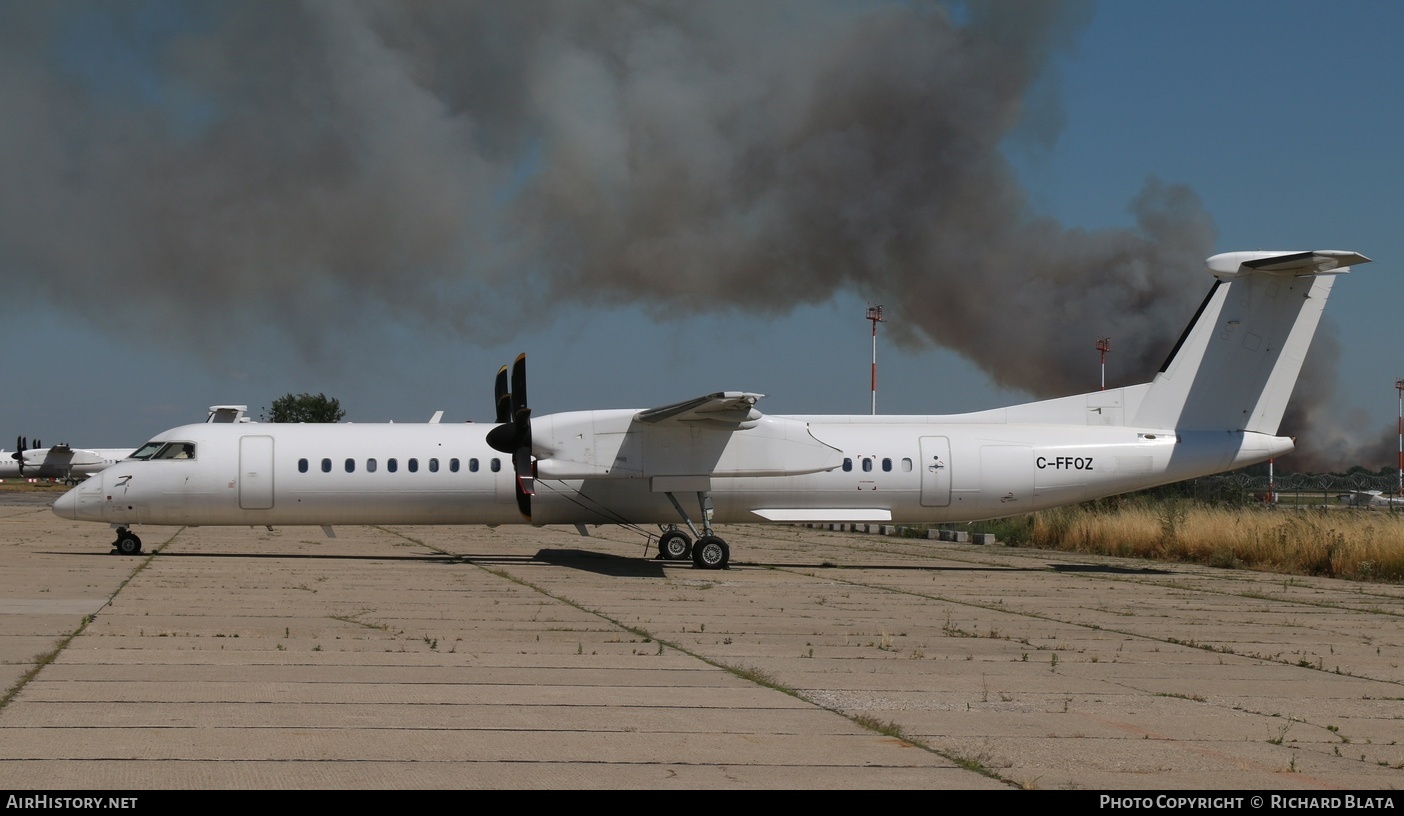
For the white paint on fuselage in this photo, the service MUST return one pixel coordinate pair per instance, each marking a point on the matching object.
(990, 470)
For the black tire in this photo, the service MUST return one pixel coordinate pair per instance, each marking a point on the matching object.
(674, 545)
(711, 552)
(128, 544)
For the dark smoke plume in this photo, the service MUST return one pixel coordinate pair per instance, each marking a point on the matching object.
(308, 166)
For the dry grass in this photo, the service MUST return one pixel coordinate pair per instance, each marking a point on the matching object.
(23, 486)
(1357, 544)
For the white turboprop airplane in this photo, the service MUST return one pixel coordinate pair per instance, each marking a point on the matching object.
(1214, 406)
(64, 462)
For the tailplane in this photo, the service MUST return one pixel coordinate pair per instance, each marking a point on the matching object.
(1236, 364)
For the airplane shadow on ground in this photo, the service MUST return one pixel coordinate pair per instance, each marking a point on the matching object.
(630, 566)
(602, 563)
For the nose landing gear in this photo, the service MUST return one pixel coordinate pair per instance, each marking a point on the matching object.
(127, 542)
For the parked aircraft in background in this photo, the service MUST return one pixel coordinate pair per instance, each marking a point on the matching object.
(1214, 406)
(1370, 498)
(62, 462)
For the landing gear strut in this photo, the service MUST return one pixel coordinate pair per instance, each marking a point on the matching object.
(709, 551)
(127, 542)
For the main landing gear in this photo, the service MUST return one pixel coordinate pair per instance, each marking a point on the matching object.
(674, 545)
(708, 552)
(127, 542)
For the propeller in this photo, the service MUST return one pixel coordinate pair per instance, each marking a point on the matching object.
(21, 445)
(513, 433)
(502, 398)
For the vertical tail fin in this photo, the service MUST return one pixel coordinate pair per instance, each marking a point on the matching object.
(1237, 362)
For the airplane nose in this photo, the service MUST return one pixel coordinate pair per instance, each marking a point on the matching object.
(82, 503)
(66, 506)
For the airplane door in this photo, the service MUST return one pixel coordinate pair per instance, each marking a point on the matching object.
(935, 471)
(1006, 479)
(256, 472)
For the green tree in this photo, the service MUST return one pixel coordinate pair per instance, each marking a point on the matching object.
(305, 408)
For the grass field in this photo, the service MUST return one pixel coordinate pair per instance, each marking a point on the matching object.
(1359, 544)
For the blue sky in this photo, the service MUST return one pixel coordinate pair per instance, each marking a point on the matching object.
(1280, 116)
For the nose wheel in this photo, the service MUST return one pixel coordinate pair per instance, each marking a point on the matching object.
(127, 543)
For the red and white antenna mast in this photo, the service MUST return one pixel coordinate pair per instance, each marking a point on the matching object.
(875, 315)
(1104, 346)
(1399, 384)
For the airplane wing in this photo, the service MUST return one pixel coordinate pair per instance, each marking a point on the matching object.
(721, 434)
(723, 411)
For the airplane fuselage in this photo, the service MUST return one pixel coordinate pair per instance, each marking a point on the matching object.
(858, 468)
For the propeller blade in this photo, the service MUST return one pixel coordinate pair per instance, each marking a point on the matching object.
(523, 502)
(521, 421)
(502, 399)
(519, 394)
(513, 433)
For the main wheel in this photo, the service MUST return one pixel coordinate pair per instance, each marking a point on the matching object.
(128, 544)
(711, 552)
(674, 545)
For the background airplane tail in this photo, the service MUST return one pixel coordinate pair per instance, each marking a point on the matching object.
(1235, 366)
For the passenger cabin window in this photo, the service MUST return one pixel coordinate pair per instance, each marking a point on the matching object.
(496, 464)
(433, 465)
(847, 465)
(473, 465)
(886, 465)
(906, 465)
(326, 466)
(350, 465)
(370, 465)
(867, 464)
(412, 465)
(302, 466)
(392, 465)
(453, 466)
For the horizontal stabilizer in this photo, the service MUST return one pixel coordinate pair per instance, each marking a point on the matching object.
(1230, 265)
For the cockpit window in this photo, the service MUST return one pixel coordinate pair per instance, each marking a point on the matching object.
(146, 451)
(165, 450)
